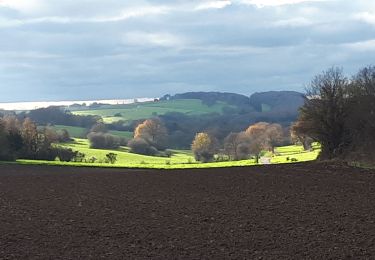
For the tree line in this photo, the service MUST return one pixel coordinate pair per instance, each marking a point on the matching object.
(23, 139)
(339, 113)
(239, 146)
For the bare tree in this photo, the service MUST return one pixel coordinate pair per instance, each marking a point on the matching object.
(361, 121)
(325, 111)
(29, 134)
(298, 135)
(274, 133)
(237, 146)
(259, 140)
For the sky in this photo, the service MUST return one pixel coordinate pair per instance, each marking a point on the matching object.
(104, 49)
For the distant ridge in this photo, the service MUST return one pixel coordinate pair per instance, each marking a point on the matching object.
(212, 97)
(284, 101)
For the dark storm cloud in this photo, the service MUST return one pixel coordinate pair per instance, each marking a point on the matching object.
(121, 49)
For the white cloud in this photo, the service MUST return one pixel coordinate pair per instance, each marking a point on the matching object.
(155, 39)
(23, 6)
(362, 45)
(213, 5)
(264, 3)
(365, 17)
(134, 12)
(124, 15)
(163, 46)
(293, 22)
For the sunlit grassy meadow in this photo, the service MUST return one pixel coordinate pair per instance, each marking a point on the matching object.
(180, 159)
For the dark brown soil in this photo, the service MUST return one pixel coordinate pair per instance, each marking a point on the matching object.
(302, 211)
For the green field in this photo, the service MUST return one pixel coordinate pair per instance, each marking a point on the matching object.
(181, 159)
(80, 132)
(150, 109)
(74, 131)
(288, 153)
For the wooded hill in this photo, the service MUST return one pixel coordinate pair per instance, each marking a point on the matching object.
(287, 101)
(184, 114)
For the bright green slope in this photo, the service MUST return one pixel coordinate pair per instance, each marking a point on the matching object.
(295, 151)
(150, 109)
(179, 160)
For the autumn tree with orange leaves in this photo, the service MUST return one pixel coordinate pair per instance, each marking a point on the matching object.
(152, 131)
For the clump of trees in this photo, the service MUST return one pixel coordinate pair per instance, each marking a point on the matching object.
(23, 139)
(204, 147)
(68, 155)
(256, 138)
(239, 146)
(11, 141)
(100, 138)
(154, 132)
(104, 141)
(59, 116)
(64, 136)
(150, 137)
(141, 146)
(339, 113)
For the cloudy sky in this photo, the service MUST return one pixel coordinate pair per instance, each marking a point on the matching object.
(100, 49)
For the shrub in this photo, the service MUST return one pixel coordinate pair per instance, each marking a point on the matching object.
(168, 153)
(79, 157)
(92, 160)
(63, 136)
(48, 154)
(65, 155)
(141, 146)
(103, 141)
(111, 157)
(153, 151)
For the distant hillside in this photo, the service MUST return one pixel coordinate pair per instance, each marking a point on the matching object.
(145, 110)
(184, 114)
(282, 101)
(210, 98)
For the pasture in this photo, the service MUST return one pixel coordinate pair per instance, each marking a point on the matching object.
(81, 132)
(146, 110)
(180, 159)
